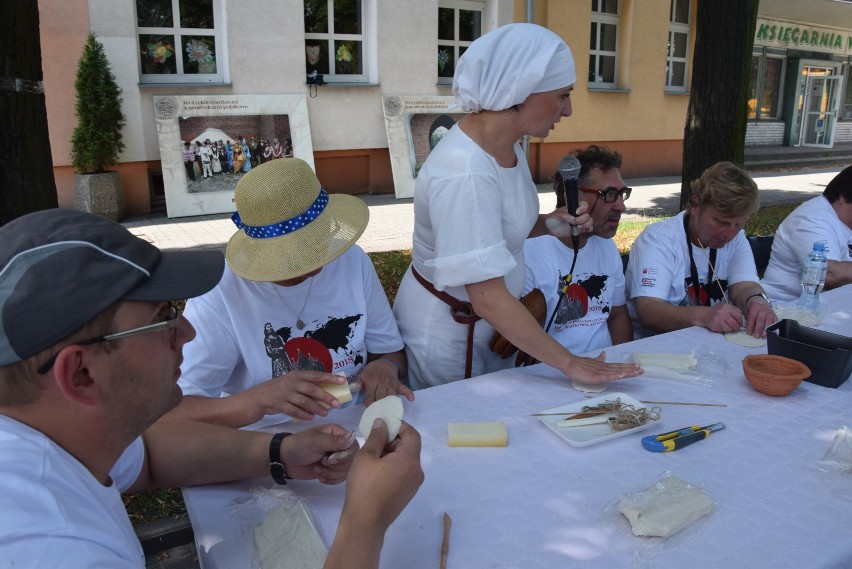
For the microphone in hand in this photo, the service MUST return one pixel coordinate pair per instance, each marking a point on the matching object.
(569, 170)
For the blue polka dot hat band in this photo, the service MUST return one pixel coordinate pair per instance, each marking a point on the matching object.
(288, 225)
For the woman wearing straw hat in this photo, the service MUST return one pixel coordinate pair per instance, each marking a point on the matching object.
(298, 302)
(474, 205)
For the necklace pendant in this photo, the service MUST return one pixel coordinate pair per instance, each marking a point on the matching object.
(299, 324)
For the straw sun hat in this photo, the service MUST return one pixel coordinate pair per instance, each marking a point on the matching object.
(289, 225)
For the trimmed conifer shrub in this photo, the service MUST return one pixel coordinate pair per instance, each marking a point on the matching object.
(97, 139)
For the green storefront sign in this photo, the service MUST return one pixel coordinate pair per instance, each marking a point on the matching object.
(804, 37)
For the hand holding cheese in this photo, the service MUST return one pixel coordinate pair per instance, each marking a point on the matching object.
(383, 479)
(341, 392)
(389, 410)
(301, 394)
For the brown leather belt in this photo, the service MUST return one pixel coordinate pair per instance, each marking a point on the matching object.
(461, 311)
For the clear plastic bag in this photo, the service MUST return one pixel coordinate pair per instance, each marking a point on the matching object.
(791, 310)
(836, 465)
(282, 531)
(665, 508)
(838, 457)
(647, 549)
(707, 365)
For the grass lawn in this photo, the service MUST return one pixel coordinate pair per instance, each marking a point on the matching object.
(168, 503)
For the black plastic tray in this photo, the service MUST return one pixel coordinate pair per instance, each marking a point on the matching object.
(829, 356)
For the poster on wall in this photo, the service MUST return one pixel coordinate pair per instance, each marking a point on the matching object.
(209, 142)
(415, 125)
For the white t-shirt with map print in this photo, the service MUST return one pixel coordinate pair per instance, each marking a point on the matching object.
(246, 334)
(659, 268)
(597, 286)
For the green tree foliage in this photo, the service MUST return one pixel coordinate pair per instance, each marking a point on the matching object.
(97, 140)
(716, 118)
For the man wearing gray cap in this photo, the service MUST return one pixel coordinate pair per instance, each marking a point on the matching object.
(90, 354)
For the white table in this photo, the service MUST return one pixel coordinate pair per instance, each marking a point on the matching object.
(541, 503)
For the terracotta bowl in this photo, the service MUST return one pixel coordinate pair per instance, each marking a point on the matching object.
(774, 375)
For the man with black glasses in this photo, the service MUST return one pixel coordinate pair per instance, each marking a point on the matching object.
(591, 312)
(90, 355)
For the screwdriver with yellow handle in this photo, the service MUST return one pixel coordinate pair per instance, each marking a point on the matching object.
(680, 438)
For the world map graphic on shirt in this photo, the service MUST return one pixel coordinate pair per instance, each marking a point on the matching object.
(575, 303)
(334, 335)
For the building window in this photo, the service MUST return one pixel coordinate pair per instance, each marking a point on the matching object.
(677, 55)
(846, 105)
(765, 87)
(459, 23)
(179, 41)
(603, 47)
(335, 39)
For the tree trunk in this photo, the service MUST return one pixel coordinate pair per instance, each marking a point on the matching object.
(26, 166)
(716, 119)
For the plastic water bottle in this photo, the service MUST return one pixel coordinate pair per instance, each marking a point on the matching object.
(814, 269)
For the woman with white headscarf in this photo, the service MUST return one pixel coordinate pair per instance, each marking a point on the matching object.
(474, 205)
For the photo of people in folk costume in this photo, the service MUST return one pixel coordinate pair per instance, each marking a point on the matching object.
(217, 151)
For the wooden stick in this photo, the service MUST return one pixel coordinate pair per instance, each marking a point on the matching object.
(577, 415)
(569, 423)
(680, 403)
(445, 544)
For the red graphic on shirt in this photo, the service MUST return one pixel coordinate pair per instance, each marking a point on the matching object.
(703, 298)
(576, 302)
(308, 350)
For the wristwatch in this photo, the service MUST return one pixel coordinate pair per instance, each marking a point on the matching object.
(276, 465)
(757, 294)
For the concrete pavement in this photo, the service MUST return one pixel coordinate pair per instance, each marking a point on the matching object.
(392, 220)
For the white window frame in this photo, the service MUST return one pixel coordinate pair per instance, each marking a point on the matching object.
(368, 51)
(761, 84)
(218, 32)
(456, 43)
(598, 19)
(671, 59)
(846, 108)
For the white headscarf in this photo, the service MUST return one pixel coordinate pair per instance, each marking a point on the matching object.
(505, 66)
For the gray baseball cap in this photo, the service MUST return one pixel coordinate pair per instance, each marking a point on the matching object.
(59, 268)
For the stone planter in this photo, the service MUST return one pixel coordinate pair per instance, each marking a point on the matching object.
(101, 194)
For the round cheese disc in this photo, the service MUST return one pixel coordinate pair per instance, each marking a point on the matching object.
(389, 410)
(588, 387)
(742, 338)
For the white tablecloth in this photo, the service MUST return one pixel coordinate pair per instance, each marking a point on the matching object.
(541, 503)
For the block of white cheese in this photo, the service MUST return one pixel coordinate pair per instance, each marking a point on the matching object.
(682, 362)
(287, 539)
(478, 434)
(389, 410)
(665, 508)
(342, 393)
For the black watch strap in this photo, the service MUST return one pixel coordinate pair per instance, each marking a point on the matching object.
(276, 467)
(760, 294)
